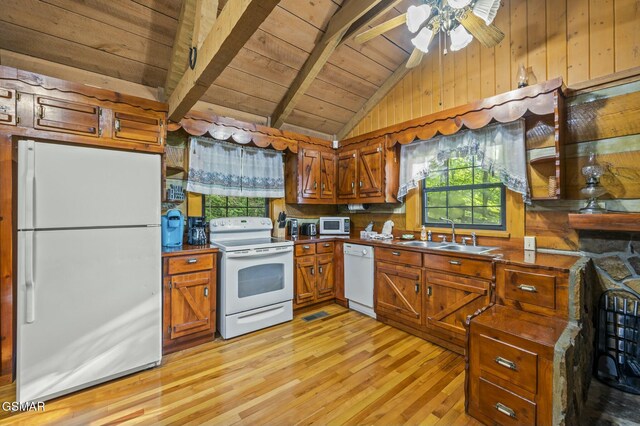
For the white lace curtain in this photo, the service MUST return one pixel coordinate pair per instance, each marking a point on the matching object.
(500, 150)
(222, 168)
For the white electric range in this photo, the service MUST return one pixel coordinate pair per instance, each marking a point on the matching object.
(255, 277)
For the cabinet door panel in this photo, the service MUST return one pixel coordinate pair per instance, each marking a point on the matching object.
(327, 175)
(64, 116)
(305, 279)
(325, 281)
(138, 128)
(399, 292)
(347, 174)
(310, 174)
(450, 298)
(190, 303)
(370, 171)
(7, 106)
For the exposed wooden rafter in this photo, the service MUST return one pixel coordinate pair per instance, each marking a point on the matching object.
(207, 11)
(386, 87)
(350, 18)
(181, 44)
(237, 22)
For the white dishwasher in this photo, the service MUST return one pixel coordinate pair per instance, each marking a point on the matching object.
(358, 278)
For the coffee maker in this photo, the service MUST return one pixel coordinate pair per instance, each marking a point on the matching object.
(196, 234)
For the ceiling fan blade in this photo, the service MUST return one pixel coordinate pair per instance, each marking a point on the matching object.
(487, 35)
(415, 58)
(380, 29)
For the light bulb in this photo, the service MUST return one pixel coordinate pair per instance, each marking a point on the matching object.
(422, 40)
(416, 15)
(458, 4)
(460, 38)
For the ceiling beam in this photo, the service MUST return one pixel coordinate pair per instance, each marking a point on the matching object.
(237, 22)
(207, 11)
(181, 44)
(350, 18)
(386, 87)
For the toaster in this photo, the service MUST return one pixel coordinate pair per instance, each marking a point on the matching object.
(308, 229)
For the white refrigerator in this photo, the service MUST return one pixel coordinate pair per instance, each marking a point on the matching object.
(89, 267)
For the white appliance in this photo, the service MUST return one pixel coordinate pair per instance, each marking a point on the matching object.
(358, 278)
(335, 225)
(89, 267)
(255, 277)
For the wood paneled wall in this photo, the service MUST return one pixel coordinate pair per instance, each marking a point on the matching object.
(578, 40)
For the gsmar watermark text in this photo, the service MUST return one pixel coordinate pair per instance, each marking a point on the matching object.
(22, 406)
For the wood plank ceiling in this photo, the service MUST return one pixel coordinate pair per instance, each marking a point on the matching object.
(132, 40)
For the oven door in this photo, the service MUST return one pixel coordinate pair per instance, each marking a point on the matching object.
(258, 277)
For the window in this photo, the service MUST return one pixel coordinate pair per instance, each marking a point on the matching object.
(464, 193)
(220, 206)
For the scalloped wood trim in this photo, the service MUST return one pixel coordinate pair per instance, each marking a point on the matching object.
(198, 123)
(539, 99)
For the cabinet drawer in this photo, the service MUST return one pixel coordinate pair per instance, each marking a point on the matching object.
(324, 247)
(529, 287)
(200, 262)
(504, 407)
(471, 267)
(305, 249)
(516, 366)
(399, 256)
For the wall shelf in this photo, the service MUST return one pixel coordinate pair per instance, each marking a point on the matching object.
(606, 221)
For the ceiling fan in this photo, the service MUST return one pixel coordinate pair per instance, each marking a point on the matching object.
(461, 20)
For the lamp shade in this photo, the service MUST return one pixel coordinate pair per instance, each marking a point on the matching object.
(487, 10)
(422, 40)
(460, 38)
(458, 4)
(416, 16)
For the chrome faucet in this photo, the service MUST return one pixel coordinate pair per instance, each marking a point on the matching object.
(453, 228)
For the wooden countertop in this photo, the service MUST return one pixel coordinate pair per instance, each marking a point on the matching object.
(508, 256)
(187, 249)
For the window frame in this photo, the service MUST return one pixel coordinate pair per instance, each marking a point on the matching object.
(226, 207)
(447, 188)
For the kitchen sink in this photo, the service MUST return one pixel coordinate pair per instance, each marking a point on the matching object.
(465, 249)
(422, 244)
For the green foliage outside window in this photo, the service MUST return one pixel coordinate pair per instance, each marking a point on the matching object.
(220, 206)
(464, 193)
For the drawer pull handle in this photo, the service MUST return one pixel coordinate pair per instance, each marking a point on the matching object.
(192, 261)
(455, 262)
(306, 247)
(506, 363)
(326, 245)
(417, 287)
(505, 410)
(395, 253)
(528, 288)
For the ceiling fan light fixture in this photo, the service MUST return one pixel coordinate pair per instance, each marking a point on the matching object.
(487, 10)
(416, 16)
(458, 4)
(423, 39)
(460, 38)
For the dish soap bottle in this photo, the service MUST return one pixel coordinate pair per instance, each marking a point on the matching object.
(423, 233)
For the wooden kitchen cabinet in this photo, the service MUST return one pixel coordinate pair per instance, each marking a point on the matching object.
(59, 115)
(310, 176)
(315, 277)
(189, 300)
(347, 175)
(399, 293)
(370, 171)
(8, 106)
(138, 127)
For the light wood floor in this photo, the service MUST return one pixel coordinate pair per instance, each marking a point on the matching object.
(342, 369)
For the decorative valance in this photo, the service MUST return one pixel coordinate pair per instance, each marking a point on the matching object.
(500, 150)
(222, 168)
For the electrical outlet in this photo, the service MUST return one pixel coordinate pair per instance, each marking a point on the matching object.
(529, 243)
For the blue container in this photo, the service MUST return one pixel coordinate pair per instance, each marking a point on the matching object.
(172, 228)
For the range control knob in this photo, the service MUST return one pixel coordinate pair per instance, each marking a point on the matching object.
(364, 252)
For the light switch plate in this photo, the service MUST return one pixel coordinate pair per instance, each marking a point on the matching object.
(529, 243)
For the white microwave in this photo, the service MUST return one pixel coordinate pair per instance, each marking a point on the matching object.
(335, 225)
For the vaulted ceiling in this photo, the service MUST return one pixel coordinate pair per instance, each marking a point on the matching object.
(132, 40)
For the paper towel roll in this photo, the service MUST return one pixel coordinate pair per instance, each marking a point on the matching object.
(357, 207)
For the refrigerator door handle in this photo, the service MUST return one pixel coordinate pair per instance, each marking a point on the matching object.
(30, 287)
(30, 183)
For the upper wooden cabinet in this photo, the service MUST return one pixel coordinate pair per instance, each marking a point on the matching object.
(310, 176)
(370, 172)
(347, 175)
(7, 106)
(58, 115)
(138, 127)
